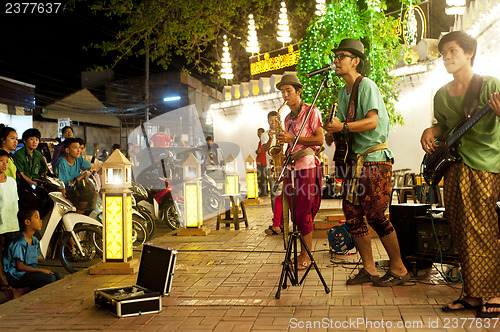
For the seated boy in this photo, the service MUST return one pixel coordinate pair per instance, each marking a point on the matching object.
(71, 170)
(31, 166)
(21, 260)
(28, 160)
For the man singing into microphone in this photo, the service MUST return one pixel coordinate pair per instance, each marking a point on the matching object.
(307, 170)
(363, 117)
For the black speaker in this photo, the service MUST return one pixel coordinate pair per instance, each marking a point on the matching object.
(401, 216)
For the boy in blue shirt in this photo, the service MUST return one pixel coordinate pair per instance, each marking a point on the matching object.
(21, 260)
(72, 168)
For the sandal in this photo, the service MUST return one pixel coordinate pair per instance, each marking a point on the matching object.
(495, 314)
(465, 306)
(271, 231)
(390, 279)
(362, 277)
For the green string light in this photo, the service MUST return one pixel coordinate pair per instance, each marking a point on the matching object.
(344, 19)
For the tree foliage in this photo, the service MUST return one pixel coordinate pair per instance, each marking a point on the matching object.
(346, 19)
(190, 32)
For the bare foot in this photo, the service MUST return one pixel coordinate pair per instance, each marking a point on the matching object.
(18, 292)
(473, 301)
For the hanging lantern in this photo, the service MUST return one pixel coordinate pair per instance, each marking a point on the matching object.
(252, 43)
(283, 28)
(320, 7)
(227, 70)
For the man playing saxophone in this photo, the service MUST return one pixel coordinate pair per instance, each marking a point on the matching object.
(307, 171)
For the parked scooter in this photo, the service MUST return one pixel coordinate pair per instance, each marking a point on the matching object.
(212, 196)
(141, 194)
(74, 237)
(169, 205)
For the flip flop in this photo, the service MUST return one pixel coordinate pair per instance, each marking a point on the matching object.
(271, 231)
(465, 306)
(495, 314)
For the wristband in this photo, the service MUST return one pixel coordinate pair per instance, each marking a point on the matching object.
(345, 130)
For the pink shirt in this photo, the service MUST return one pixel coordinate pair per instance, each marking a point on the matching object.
(293, 127)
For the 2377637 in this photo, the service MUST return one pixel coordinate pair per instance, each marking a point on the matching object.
(32, 7)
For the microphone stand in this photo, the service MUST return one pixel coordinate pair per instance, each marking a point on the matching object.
(290, 269)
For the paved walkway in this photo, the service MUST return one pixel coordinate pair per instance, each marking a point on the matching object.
(227, 281)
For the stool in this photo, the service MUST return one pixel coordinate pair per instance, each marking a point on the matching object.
(401, 193)
(234, 200)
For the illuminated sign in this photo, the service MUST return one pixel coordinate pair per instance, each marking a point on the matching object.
(275, 62)
(412, 26)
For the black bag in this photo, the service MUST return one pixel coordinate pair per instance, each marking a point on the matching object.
(32, 197)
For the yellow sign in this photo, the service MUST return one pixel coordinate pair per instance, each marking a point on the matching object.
(275, 63)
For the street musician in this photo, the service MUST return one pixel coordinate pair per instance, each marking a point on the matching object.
(307, 166)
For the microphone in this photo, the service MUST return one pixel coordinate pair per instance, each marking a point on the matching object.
(319, 71)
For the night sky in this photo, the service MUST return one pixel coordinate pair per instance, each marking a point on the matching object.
(47, 50)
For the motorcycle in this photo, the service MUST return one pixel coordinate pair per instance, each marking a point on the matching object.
(141, 194)
(74, 237)
(211, 194)
(169, 205)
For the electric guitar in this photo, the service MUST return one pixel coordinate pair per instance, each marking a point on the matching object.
(341, 150)
(435, 164)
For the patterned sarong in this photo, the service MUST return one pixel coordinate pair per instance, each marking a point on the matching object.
(469, 199)
(374, 192)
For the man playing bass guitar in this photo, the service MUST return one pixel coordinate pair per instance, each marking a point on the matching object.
(364, 117)
(472, 184)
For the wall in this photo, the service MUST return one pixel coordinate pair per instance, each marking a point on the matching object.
(104, 137)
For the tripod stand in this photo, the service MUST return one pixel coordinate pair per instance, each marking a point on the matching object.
(290, 270)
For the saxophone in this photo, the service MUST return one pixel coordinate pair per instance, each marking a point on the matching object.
(276, 151)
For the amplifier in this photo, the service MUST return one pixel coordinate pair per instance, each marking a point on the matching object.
(401, 216)
(426, 238)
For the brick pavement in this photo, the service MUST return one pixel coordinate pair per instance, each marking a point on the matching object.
(227, 281)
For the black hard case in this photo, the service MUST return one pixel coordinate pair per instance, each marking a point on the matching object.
(156, 271)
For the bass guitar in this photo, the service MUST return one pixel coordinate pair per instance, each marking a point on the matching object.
(435, 164)
(341, 150)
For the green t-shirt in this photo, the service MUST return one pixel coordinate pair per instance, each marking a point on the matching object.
(479, 147)
(31, 166)
(369, 98)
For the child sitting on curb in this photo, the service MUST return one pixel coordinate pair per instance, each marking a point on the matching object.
(21, 260)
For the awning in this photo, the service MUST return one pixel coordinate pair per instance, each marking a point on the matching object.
(82, 106)
(16, 98)
(14, 110)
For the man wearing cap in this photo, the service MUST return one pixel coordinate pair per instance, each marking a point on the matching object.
(365, 122)
(307, 170)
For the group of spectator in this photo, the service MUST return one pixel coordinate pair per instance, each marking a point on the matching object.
(23, 202)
